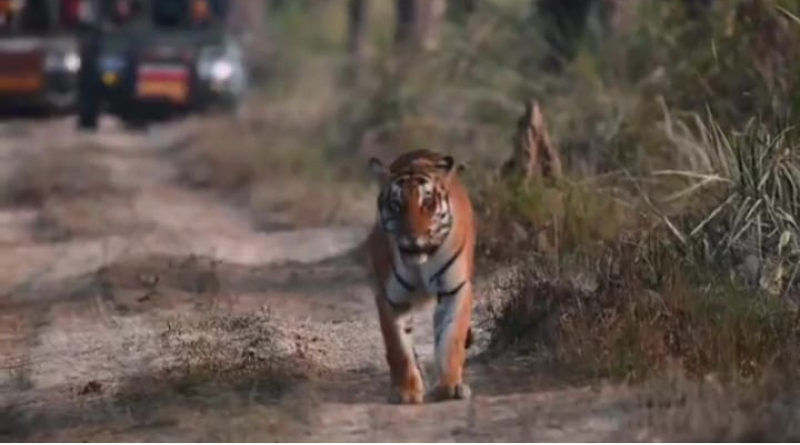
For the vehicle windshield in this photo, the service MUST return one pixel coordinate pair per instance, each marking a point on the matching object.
(165, 14)
(121, 12)
(37, 17)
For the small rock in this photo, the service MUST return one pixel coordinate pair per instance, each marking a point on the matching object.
(751, 270)
(93, 387)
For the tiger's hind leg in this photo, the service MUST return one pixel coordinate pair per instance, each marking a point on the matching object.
(452, 328)
(407, 385)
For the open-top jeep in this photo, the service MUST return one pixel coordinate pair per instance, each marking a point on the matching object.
(162, 57)
(39, 61)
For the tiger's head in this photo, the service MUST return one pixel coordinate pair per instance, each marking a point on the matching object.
(414, 204)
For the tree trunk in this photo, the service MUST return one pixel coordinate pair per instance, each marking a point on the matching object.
(419, 23)
(357, 28)
(564, 24)
(405, 15)
(357, 12)
(429, 23)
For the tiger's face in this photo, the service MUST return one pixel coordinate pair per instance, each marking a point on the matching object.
(414, 207)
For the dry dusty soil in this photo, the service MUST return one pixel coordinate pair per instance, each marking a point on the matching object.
(136, 308)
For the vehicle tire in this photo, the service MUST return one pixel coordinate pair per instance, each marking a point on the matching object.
(134, 123)
(88, 102)
(87, 120)
(88, 111)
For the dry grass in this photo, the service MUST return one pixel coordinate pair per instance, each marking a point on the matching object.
(301, 202)
(574, 216)
(276, 167)
(218, 377)
(706, 410)
(40, 175)
(700, 270)
(227, 346)
(642, 306)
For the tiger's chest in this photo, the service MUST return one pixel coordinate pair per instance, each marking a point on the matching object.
(443, 273)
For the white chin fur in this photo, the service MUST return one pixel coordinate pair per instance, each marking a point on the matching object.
(415, 259)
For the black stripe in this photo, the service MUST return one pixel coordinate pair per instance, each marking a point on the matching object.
(447, 265)
(405, 284)
(450, 293)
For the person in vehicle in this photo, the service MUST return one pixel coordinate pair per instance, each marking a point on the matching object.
(201, 14)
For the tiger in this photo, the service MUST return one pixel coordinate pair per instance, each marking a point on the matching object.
(422, 246)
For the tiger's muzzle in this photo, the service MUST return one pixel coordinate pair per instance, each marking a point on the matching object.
(416, 250)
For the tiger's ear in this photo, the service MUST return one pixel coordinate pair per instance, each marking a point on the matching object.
(378, 170)
(450, 167)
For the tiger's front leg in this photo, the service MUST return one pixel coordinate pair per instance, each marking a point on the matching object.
(451, 322)
(407, 385)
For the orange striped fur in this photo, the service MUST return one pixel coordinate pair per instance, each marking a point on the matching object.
(422, 248)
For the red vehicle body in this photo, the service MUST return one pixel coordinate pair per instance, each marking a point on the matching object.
(38, 53)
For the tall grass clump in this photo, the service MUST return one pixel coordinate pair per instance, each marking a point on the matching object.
(711, 288)
(749, 200)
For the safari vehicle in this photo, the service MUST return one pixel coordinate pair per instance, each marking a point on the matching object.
(166, 57)
(39, 60)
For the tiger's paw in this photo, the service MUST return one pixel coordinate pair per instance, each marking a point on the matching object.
(442, 393)
(400, 396)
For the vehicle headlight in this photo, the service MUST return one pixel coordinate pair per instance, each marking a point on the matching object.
(215, 66)
(221, 70)
(72, 62)
(69, 61)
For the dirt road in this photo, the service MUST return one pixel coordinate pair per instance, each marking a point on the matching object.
(136, 308)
